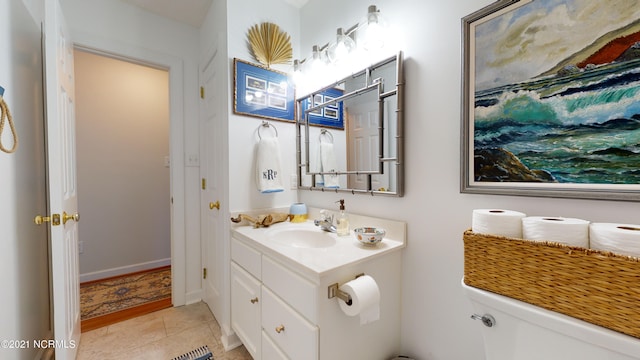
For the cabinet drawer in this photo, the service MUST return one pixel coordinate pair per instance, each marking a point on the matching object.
(294, 289)
(270, 350)
(296, 336)
(246, 257)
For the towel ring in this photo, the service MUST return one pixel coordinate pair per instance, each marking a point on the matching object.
(267, 124)
(325, 132)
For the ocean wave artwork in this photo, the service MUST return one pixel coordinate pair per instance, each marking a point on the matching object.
(556, 94)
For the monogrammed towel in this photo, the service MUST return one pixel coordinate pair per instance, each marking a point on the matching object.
(268, 172)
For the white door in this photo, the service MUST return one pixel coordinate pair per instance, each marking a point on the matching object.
(210, 160)
(61, 167)
(364, 143)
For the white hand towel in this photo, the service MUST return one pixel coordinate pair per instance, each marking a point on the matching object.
(328, 161)
(268, 172)
(317, 166)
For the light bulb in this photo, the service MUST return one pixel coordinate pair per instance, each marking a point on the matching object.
(374, 33)
(342, 48)
(317, 68)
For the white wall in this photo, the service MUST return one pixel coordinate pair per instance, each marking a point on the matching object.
(435, 322)
(244, 195)
(122, 139)
(122, 29)
(24, 264)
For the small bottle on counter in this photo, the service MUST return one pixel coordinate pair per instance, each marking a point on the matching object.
(342, 226)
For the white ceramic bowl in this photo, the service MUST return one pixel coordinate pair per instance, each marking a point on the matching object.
(369, 235)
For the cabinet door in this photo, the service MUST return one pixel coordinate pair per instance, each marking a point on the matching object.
(245, 309)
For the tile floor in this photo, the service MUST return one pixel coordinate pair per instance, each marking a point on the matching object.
(161, 335)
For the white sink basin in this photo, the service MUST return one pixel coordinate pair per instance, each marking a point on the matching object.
(302, 238)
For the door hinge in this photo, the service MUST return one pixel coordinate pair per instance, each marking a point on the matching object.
(204, 184)
(201, 92)
(204, 273)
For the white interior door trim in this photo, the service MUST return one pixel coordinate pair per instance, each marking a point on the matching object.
(175, 67)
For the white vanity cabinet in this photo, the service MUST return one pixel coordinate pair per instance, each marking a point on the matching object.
(280, 304)
(258, 313)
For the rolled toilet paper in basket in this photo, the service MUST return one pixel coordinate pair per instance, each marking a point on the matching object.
(569, 231)
(621, 239)
(365, 299)
(497, 222)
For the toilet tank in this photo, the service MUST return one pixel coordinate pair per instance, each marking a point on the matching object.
(526, 332)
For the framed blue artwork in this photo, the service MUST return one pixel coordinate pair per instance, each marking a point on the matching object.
(327, 116)
(262, 92)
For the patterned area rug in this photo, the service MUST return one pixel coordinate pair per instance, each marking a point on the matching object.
(99, 298)
(201, 353)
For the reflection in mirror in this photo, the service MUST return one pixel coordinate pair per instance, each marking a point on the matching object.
(350, 133)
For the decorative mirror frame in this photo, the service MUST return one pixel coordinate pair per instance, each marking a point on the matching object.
(303, 119)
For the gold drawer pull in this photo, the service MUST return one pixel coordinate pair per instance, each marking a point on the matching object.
(254, 300)
(280, 329)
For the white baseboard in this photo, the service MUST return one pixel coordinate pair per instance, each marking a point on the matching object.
(103, 274)
(229, 338)
(193, 297)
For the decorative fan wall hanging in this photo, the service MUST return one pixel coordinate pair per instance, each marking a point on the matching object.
(269, 44)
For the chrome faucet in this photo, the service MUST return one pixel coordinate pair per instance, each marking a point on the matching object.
(325, 222)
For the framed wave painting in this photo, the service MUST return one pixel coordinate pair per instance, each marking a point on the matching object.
(551, 99)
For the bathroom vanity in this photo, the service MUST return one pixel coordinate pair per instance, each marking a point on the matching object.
(281, 303)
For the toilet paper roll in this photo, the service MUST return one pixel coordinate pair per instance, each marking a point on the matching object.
(618, 238)
(569, 231)
(365, 299)
(497, 222)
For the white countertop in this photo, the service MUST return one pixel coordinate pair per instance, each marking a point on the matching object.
(316, 261)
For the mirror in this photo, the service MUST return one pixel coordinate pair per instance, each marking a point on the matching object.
(350, 133)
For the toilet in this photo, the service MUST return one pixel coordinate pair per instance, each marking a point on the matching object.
(514, 330)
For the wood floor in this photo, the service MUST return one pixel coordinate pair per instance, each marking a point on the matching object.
(115, 317)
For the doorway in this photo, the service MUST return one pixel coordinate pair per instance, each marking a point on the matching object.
(122, 146)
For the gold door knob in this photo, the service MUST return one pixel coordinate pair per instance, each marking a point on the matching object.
(39, 220)
(254, 300)
(280, 329)
(54, 219)
(66, 217)
(214, 205)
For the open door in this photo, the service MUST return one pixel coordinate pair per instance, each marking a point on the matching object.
(61, 175)
(211, 227)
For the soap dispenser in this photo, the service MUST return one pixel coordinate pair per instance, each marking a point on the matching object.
(343, 221)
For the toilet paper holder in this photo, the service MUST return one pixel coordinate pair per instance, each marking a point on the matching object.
(334, 291)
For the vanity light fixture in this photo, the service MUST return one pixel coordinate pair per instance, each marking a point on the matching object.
(367, 36)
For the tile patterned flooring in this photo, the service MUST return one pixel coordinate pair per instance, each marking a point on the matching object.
(161, 335)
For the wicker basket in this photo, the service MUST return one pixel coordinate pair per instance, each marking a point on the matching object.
(595, 286)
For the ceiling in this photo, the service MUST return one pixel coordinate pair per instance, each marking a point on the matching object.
(191, 12)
